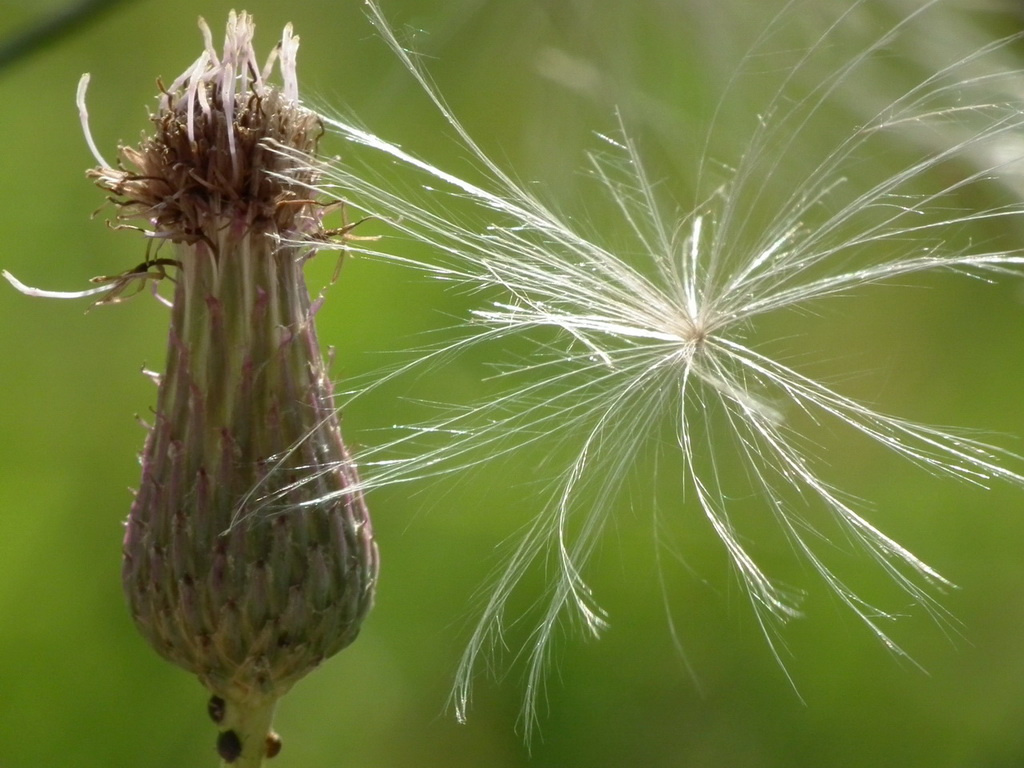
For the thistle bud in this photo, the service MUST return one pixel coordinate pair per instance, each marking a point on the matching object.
(249, 556)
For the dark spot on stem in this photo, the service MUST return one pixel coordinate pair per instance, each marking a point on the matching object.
(229, 746)
(216, 706)
(273, 748)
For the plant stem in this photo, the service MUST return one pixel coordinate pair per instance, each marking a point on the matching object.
(250, 721)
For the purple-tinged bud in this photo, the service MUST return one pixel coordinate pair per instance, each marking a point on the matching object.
(249, 556)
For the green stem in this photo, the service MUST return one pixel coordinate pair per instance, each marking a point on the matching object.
(250, 721)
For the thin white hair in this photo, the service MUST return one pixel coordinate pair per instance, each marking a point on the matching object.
(654, 325)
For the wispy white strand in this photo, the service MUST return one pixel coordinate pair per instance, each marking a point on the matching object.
(660, 332)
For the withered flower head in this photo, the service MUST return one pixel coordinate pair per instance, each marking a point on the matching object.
(249, 556)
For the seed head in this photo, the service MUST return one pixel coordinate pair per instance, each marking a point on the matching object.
(246, 593)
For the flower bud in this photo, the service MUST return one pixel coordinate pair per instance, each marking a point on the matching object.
(249, 556)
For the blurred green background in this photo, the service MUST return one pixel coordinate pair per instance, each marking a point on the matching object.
(531, 79)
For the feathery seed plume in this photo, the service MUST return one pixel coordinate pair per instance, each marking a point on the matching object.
(644, 321)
